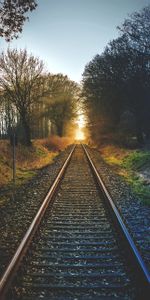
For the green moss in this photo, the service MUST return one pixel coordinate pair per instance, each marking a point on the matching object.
(136, 160)
(24, 175)
(128, 165)
(139, 188)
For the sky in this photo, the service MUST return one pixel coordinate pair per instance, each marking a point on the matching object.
(67, 34)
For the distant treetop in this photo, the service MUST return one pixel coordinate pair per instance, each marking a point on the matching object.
(137, 30)
(13, 16)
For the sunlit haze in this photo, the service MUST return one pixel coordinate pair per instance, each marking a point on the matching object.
(80, 121)
(79, 135)
(66, 34)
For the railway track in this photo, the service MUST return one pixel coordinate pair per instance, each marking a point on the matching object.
(77, 246)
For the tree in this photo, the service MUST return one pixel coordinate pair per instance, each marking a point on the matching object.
(13, 16)
(61, 103)
(119, 78)
(22, 81)
(137, 30)
(8, 116)
(102, 90)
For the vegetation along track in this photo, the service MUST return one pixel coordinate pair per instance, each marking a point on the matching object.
(77, 247)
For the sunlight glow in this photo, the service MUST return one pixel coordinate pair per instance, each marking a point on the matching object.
(80, 121)
(79, 134)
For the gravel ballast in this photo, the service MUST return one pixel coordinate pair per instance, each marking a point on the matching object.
(135, 214)
(17, 214)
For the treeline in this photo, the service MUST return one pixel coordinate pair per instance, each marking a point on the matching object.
(33, 103)
(116, 84)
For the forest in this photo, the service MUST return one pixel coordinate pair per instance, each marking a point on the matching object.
(34, 104)
(116, 84)
(114, 92)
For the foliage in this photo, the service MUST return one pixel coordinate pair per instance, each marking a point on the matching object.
(137, 30)
(118, 80)
(13, 16)
(35, 103)
(61, 101)
(22, 84)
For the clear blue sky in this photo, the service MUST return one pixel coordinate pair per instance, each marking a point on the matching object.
(66, 34)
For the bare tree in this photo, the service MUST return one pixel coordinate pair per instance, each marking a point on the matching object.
(22, 81)
(13, 16)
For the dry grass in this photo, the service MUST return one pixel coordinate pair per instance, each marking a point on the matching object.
(5, 162)
(28, 159)
(113, 154)
(56, 143)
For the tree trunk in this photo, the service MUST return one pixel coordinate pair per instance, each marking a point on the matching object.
(60, 129)
(26, 139)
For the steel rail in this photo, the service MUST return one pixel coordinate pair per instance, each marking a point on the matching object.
(143, 274)
(13, 266)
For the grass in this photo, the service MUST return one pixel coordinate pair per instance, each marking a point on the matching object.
(129, 164)
(136, 160)
(28, 159)
(57, 143)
